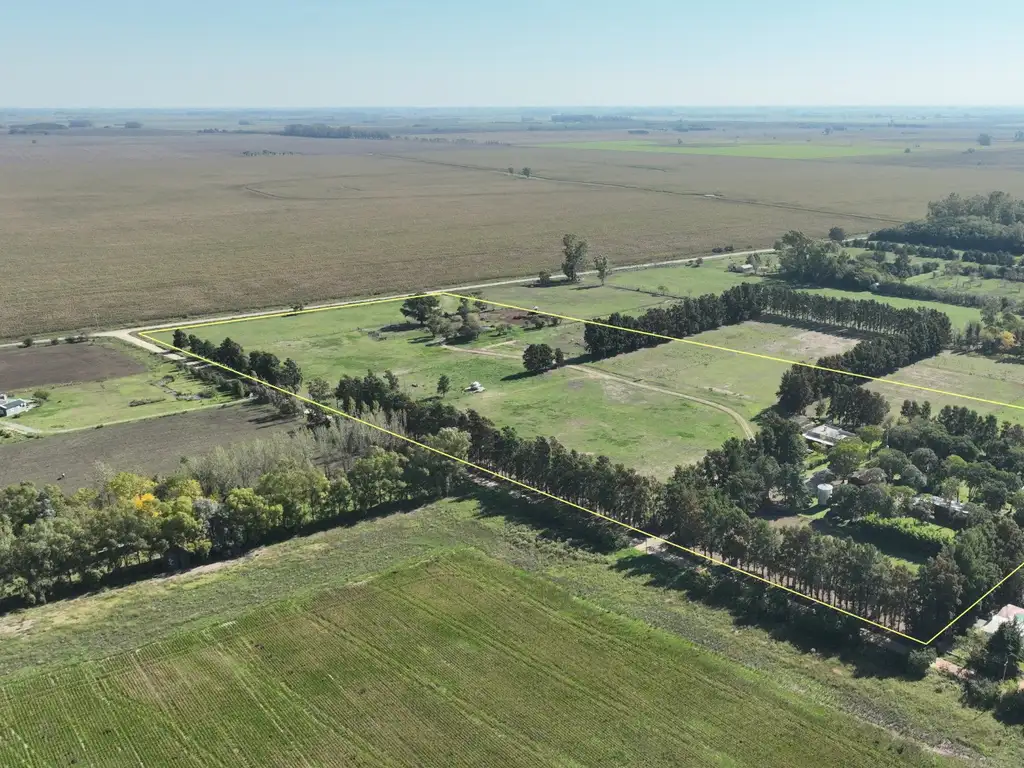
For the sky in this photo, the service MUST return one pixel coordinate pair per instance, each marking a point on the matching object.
(336, 53)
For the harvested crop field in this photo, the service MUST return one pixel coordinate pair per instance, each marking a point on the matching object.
(355, 217)
(147, 446)
(44, 366)
(458, 661)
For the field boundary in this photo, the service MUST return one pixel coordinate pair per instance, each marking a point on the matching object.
(147, 335)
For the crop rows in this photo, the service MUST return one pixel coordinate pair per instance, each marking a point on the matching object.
(454, 662)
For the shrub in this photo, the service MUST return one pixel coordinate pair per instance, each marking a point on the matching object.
(980, 693)
(54, 341)
(41, 394)
(544, 278)
(919, 661)
(1010, 708)
(28, 342)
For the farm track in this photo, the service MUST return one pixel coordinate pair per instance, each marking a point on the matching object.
(638, 188)
(748, 432)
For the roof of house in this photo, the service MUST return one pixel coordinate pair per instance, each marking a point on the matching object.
(827, 434)
(16, 403)
(1010, 611)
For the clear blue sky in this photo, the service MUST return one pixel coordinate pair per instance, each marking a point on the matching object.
(207, 53)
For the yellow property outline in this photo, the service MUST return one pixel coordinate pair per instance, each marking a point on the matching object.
(270, 315)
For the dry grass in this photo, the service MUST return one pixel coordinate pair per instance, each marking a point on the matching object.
(112, 231)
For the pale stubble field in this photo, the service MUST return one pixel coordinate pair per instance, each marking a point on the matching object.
(111, 231)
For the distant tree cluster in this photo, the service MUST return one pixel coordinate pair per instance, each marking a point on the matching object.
(321, 131)
(744, 302)
(993, 222)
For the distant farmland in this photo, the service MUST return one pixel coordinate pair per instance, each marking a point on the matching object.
(790, 151)
(459, 661)
(110, 231)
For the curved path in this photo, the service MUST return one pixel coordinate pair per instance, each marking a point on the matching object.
(744, 425)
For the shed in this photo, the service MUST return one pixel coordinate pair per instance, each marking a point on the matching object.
(824, 493)
(13, 407)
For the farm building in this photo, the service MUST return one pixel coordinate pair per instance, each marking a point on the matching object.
(1008, 613)
(826, 435)
(12, 407)
(945, 509)
(743, 269)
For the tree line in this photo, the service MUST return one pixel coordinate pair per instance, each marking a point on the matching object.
(322, 131)
(875, 357)
(263, 365)
(749, 301)
(945, 253)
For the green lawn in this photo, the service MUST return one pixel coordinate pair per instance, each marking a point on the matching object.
(649, 430)
(88, 404)
(212, 604)
(970, 375)
(791, 151)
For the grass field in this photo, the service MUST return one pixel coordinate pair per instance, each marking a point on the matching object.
(74, 403)
(351, 218)
(779, 151)
(457, 661)
(980, 377)
(39, 642)
(651, 430)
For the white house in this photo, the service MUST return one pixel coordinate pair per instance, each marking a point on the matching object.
(12, 407)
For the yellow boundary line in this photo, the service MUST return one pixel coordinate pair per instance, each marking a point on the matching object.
(147, 335)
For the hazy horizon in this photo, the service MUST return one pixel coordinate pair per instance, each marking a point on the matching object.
(319, 54)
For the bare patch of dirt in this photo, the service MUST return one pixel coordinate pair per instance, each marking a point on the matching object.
(42, 366)
(12, 626)
(817, 344)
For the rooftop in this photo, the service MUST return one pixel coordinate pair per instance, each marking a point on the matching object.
(827, 434)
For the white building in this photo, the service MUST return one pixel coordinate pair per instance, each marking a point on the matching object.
(827, 435)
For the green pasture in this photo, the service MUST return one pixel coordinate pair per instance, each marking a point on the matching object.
(972, 375)
(788, 151)
(650, 430)
(94, 403)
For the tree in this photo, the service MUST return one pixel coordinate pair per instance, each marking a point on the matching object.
(511, 171)
(538, 357)
(420, 308)
(846, 456)
(837, 234)
(290, 376)
(574, 251)
(443, 385)
(377, 478)
(434, 473)
(470, 329)
(985, 139)
(1001, 656)
(602, 267)
(180, 339)
(559, 357)
(298, 491)
(318, 389)
(526, 171)
(795, 392)
(439, 325)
